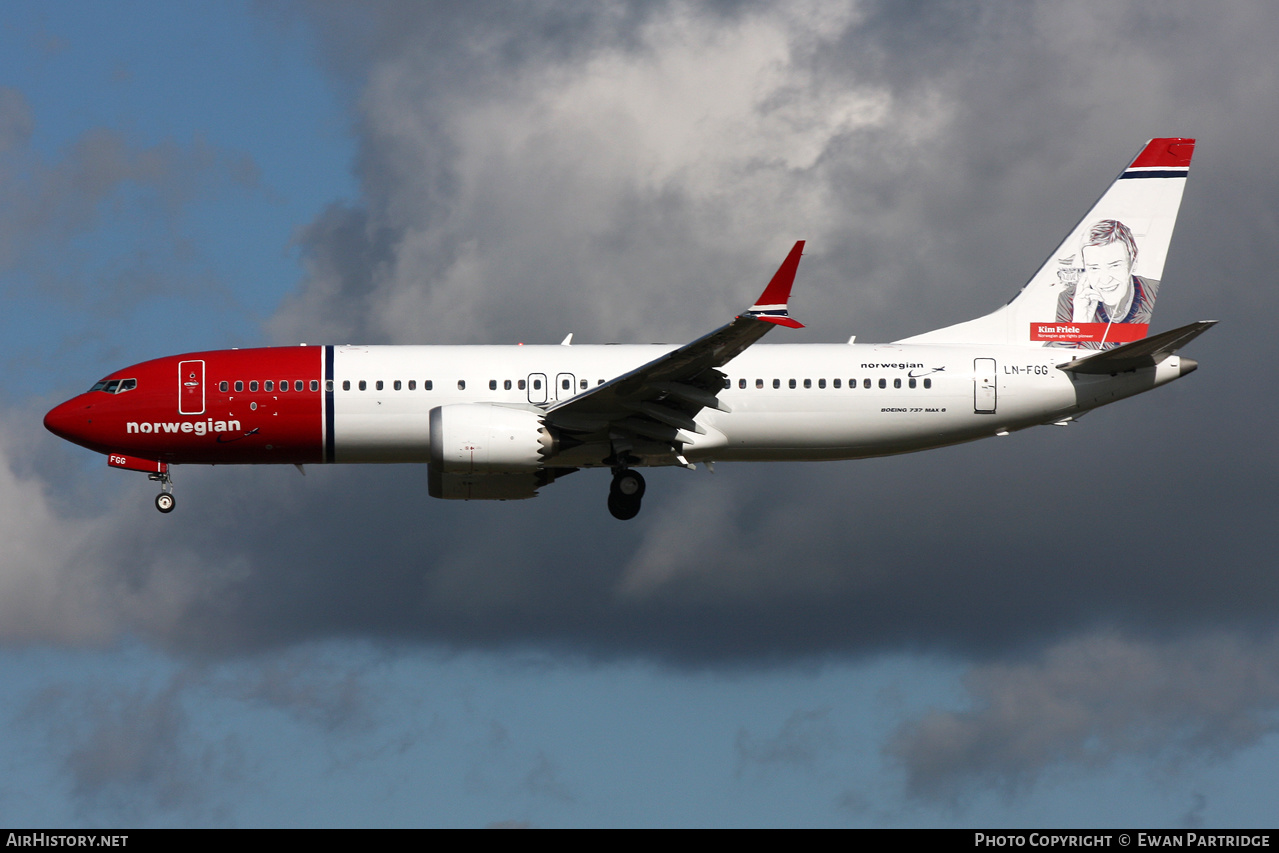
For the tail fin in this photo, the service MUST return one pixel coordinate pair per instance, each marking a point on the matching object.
(1098, 290)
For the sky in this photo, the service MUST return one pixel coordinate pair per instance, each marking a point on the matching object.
(1062, 627)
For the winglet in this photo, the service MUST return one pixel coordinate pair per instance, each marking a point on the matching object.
(771, 305)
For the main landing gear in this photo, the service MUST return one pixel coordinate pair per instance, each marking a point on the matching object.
(163, 501)
(625, 494)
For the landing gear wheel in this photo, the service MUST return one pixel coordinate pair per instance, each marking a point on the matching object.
(628, 483)
(623, 507)
(164, 500)
(625, 494)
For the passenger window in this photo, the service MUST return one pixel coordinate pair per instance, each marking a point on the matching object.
(584, 384)
(396, 386)
(428, 385)
(253, 384)
(328, 385)
(759, 383)
(897, 383)
(284, 384)
(912, 382)
(928, 383)
(808, 383)
(866, 383)
(741, 383)
(599, 381)
(520, 384)
(364, 386)
(728, 383)
(412, 384)
(492, 384)
(792, 383)
(506, 385)
(239, 385)
(222, 386)
(461, 384)
(537, 384)
(821, 383)
(268, 385)
(777, 383)
(566, 385)
(883, 383)
(346, 384)
(835, 382)
(378, 385)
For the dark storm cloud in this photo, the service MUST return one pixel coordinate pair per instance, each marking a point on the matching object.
(632, 175)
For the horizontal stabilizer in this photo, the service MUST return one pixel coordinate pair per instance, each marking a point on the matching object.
(1144, 353)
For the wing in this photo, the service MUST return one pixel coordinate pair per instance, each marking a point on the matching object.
(660, 399)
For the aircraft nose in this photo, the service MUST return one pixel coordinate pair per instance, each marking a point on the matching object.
(68, 420)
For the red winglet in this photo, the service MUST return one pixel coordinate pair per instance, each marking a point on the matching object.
(778, 290)
(771, 305)
(1169, 152)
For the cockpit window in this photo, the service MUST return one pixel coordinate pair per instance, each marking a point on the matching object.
(114, 386)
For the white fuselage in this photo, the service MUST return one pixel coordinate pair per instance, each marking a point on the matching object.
(788, 402)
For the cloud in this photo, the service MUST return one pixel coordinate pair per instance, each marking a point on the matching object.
(586, 185)
(101, 183)
(133, 753)
(1090, 700)
(15, 119)
(803, 739)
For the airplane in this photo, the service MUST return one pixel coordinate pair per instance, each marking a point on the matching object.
(502, 422)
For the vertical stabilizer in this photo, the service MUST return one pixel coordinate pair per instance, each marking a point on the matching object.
(1098, 289)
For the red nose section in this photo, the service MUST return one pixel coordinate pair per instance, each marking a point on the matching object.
(73, 420)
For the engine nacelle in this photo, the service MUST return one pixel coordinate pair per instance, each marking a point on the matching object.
(486, 487)
(480, 438)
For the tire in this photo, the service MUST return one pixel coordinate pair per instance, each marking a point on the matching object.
(164, 502)
(623, 507)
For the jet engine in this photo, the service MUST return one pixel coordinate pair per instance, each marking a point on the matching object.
(481, 438)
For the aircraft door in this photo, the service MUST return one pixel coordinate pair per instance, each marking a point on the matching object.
(984, 391)
(190, 387)
(537, 387)
(564, 383)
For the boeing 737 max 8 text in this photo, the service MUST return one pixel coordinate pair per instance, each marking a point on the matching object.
(501, 422)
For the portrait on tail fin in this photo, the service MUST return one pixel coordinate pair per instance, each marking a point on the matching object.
(1100, 291)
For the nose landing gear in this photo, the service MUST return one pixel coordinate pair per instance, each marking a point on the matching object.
(625, 494)
(163, 501)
